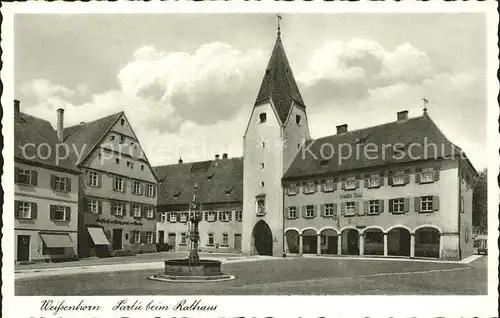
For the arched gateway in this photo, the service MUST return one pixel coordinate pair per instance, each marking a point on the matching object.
(263, 238)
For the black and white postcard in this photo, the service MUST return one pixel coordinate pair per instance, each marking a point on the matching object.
(180, 159)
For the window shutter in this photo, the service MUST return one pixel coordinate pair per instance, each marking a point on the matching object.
(416, 203)
(34, 210)
(215, 216)
(34, 178)
(157, 216)
(435, 203)
(315, 210)
(52, 211)
(154, 213)
(334, 208)
(131, 235)
(389, 178)
(303, 186)
(366, 207)
(99, 180)
(391, 205)
(154, 237)
(68, 184)
(322, 210)
(334, 184)
(114, 183)
(124, 185)
(125, 205)
(230, 215)
(342, 180)
(99, 207)
(381, 206)
(143, 237)
(220, 215)
(16, 207)
(206, 216)
(304, 211)
(418, 172)
(68, 213)
(436, 173)
(16, 174)
(366, 180)
(342, 209)
(52, 182)
(382, 178)
(357, 183)
(357, 210)
(407, 176)
(407, 204)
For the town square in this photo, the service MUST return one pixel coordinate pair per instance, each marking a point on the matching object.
(249, 154)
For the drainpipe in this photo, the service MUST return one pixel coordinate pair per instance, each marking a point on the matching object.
(283, 227)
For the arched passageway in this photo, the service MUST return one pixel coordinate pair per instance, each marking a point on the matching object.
(427, 242)
(374, 242)
(329, 241)
(292, 241)
(263, 238)
(350, 242)
(309, 241)
(398, 242)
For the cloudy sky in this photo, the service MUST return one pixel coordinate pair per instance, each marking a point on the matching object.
(188, 82)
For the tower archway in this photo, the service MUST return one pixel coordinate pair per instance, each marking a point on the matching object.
(263, 238)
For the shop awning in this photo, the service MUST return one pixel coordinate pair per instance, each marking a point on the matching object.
(56, 240)
(98, 236)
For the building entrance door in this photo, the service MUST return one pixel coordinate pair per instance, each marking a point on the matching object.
(171, 241)
(161, 237)
(23, 248)
(117, 239)
(237, 242)
(263, 238)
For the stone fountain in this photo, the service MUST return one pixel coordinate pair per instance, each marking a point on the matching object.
(192, 269)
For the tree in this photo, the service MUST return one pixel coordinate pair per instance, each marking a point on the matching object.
(480, 201)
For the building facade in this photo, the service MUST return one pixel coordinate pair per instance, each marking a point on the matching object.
(220, 194)
(118, 189)
(309, 196)
(46, 194)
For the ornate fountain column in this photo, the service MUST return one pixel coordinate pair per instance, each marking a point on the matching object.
(194, 234)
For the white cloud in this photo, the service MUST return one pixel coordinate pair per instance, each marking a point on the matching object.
(197, 104)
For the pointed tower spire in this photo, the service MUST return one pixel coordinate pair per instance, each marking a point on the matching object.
(278, 84)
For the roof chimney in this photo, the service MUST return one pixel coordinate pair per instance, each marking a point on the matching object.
(180, 160)
(403, 115)
(60, 124)
(217, 157)
(17, 107)
(341, 129)
(224, 156)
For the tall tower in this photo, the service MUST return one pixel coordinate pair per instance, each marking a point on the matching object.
(276, 130)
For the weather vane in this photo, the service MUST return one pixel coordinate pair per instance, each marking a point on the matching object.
(279, 26)
(426, 102)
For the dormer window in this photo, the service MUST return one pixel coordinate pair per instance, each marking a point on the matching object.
(111, 137)
(297, 119)
(262, 117)
(361, 140)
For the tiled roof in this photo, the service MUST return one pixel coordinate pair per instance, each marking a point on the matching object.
(279, 84)
(419, 130)
(219, 181)
(84, 137)
(36, 131)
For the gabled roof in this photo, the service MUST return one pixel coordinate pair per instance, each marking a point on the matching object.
(419, 131)
(278, 84)
(30, 133)
(84, 137)
(219, 181)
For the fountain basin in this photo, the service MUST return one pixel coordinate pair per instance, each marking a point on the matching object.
(181, 270)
